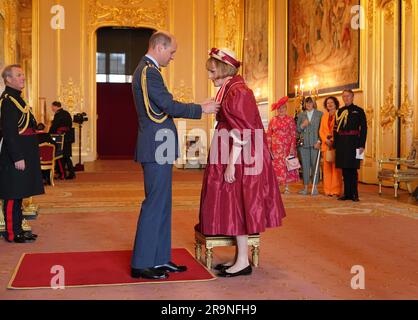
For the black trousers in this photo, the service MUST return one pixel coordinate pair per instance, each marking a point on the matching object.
(65, 165)
(12, 210)
(68, 164)
(350, 183)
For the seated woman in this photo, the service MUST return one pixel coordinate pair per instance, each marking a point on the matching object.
(239, 197)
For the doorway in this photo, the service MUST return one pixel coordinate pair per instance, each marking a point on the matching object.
(119, 51)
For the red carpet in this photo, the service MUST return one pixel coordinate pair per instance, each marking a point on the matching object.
(96, 269)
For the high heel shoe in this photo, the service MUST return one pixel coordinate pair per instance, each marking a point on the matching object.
(244, 272)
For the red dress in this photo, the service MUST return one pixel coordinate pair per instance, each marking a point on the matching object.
(281, 138)
(253, 202)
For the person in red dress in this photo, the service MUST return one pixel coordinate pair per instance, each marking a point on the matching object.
(240, 194)
(281, 139)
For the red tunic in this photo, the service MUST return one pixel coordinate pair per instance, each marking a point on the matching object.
(253, 202)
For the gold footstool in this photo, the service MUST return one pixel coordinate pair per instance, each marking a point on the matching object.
(211, 242)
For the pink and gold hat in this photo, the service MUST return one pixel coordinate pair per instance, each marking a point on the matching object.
(225, 55)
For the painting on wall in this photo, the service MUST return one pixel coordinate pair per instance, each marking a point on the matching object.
(255, 50)
(323, 45)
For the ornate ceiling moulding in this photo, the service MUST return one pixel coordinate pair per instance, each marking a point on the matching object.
(128, 13)
(388, 112)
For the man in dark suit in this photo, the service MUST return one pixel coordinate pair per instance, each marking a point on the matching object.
(156, 109)
(349, 141)
(20, 169)
(63, 124)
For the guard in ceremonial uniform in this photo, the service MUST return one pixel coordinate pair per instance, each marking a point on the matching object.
(350, 140)
(156, 109)
(63, 124)
(20, 169)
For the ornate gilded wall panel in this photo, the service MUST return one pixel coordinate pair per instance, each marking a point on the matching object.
(389, 41)
(406, 109)
(15, 38)
(132, 13)
(229, 25)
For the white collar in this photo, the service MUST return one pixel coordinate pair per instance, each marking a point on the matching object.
(153, 60)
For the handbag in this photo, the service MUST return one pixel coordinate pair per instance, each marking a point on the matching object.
(292, 163)
(330, 155)
(299, 140)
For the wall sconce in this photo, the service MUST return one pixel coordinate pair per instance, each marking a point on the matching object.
(300, 93)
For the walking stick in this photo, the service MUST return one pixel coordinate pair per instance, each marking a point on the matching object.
(316, 171)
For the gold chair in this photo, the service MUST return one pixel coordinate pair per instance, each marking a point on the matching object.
(211, 242)
(47, 153)
(399, 170)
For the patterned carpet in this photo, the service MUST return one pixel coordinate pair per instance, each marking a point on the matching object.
(310, 257)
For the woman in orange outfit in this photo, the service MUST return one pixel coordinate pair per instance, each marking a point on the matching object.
(332, 175)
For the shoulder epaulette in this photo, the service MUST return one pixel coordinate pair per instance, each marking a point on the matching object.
(152, 114)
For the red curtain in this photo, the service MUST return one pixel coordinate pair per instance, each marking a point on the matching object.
(117, 124)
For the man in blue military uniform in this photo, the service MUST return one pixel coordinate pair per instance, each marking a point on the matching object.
(156, 109)
(20, 169)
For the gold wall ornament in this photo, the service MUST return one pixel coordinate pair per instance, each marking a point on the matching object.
(389, 10)
(406, 111)
(370, 16)
(370, 116)
(388, 112)
(182, 93)
(71, 97)
(132, 2)
(408, 5)
(130, 14)
(11, 20)
(229, 25)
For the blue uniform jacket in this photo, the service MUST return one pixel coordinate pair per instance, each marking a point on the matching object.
(161, 100)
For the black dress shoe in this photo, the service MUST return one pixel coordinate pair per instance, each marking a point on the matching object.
(356, 199)
(21, 238)
(70, 177)
(244, 272)
(171, 267)
(221, 267)
(150, 273)
(29, 234)
(344, 198)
